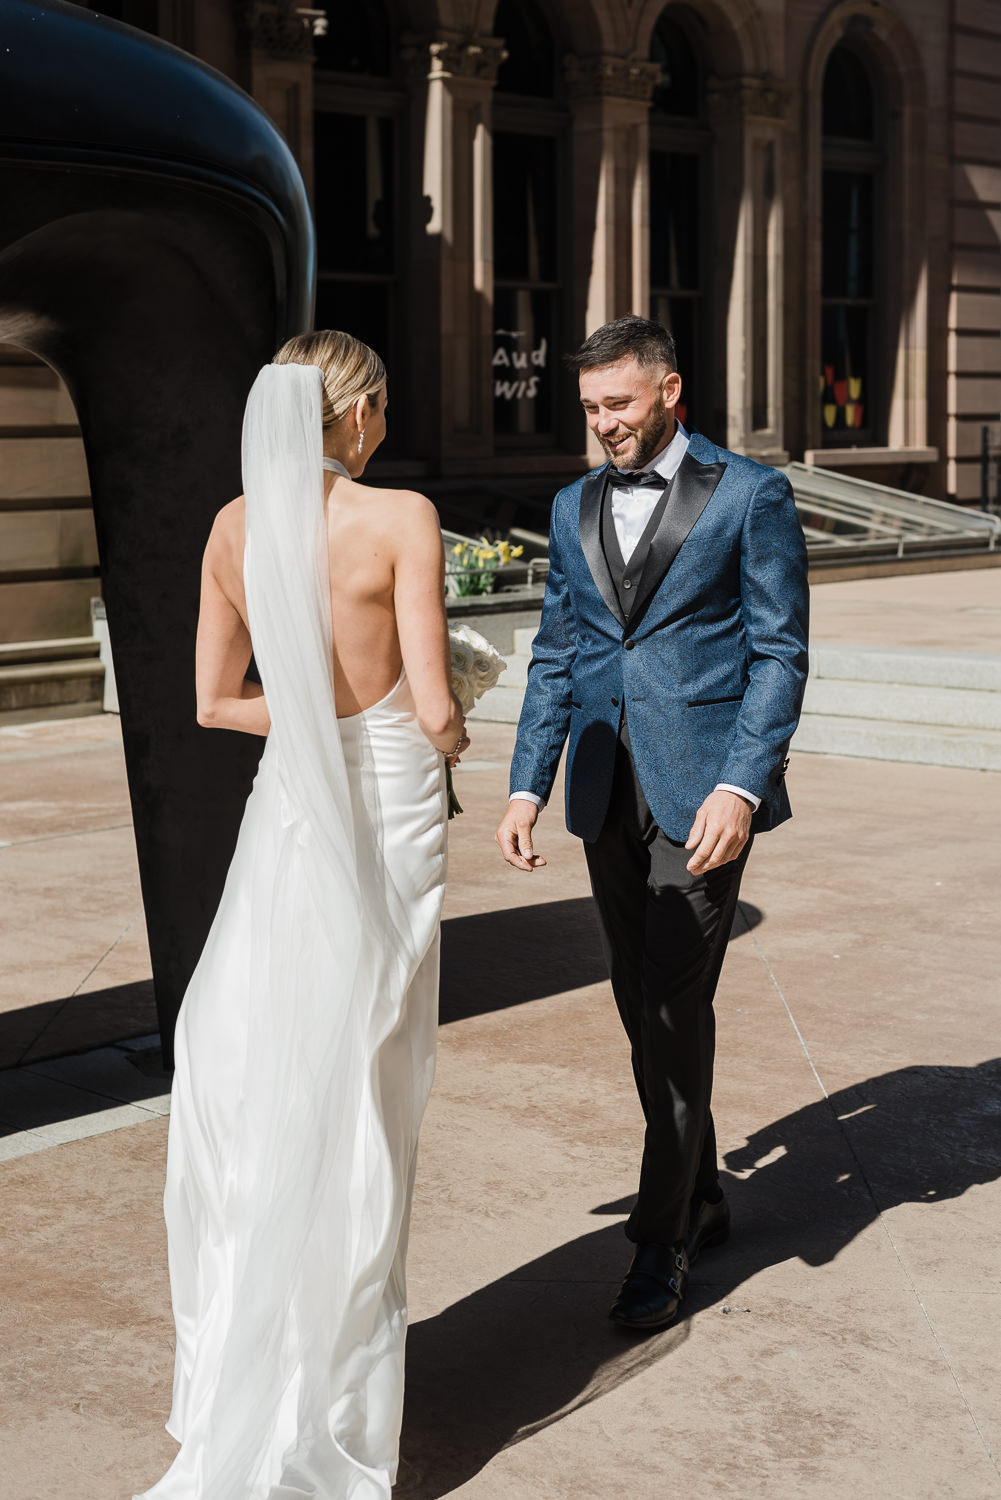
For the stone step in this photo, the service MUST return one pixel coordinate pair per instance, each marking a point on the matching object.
(958, 708)
(19, 653)
(502, 705)
(34, 396)
(42, 468)
(895, 703)
(49, 540)
(41, 687)
(46, 608)
(877, 739)
(947, 669)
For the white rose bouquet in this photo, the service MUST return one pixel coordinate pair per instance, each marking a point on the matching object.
(476, 666)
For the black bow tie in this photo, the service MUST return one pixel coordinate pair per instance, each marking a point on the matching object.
(626, 479)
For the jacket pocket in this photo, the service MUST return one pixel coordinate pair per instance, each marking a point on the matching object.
(707, 702)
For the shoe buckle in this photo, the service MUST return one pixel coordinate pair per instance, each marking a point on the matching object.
(681, 1262)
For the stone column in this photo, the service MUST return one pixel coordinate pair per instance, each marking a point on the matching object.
(748, 116)
(610, 104)
(278, 70)
(449, 261)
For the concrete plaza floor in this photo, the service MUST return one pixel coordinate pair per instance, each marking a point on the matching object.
(844, 1344)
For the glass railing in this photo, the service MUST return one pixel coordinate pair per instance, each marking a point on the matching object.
(844, 517)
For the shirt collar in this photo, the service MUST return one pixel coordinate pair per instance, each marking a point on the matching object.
(668, 460)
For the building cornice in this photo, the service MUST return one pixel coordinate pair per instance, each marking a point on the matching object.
(748, 97)
(280, 28)
(605, 77)
(453, 54)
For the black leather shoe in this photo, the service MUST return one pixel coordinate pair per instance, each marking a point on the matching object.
(654, 1286)
(709, 1225)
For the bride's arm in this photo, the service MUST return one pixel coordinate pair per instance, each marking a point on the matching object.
(419, 597)
(227, 699)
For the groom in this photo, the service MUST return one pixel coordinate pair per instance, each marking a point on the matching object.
(673, 654)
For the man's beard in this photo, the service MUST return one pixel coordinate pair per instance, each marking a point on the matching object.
(647, 439)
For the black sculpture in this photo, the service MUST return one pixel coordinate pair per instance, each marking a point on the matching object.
(156, 247)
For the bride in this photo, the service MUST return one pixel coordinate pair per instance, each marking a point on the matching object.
(306, 1041)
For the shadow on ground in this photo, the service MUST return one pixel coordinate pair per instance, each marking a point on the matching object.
(525, 1351)
(75, 1023)
(531, 952)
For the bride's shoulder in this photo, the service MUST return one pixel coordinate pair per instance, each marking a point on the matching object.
(405, 508)
(228, 530)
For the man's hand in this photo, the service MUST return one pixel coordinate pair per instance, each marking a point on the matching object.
(721, 829)
(515, 835)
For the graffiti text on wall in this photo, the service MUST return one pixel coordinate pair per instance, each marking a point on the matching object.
(518, 387)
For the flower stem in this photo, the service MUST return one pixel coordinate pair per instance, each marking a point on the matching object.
(454, 805)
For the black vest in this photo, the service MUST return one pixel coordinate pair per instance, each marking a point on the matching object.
(626, 576)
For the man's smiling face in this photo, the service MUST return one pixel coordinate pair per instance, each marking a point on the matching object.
(630, 409)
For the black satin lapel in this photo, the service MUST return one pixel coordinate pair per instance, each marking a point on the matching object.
(693, 488)
(592, 494)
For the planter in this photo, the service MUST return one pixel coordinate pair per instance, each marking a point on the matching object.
(468, 583)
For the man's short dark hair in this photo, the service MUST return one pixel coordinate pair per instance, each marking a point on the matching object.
(649, 342)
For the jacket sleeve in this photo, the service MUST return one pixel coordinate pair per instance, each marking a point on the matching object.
(775, 606)
(545, 714)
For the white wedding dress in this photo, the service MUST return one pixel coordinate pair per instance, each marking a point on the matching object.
(305, 1045)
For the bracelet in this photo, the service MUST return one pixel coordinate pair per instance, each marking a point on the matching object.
(449, 753)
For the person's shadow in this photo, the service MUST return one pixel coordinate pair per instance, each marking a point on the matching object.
(524, 1351)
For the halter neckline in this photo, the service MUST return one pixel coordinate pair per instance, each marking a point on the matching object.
(334, 466)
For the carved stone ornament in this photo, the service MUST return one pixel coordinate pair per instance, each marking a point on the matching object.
(610, 77)
(281, 28)
(450, 54)
(747, 98)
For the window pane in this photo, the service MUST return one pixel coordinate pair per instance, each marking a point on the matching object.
(361, 309)
(354, 193)
(530, 65)
(677, 93)
(848, 106)
(674, 221)
(848, 234)
(524, 339)
(845, 394)
(524, 207)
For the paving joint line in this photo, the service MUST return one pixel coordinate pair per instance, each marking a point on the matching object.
(53, 1018)
(868, 1187)
(46, 838)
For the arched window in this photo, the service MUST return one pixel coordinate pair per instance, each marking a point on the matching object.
(678, 91)
(356, 41)
(356, 155)
(527, 195)
(530, 65)
(851, 381)
(679, 147)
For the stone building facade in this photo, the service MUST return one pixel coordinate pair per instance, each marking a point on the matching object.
(807, 191)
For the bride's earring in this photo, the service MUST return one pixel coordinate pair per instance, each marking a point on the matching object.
(361, 439)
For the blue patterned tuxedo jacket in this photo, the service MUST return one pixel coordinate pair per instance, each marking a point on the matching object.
(710, 666)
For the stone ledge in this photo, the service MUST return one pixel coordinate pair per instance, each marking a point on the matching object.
(864, 458)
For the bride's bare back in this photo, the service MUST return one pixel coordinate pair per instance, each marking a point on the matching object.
(386, 602)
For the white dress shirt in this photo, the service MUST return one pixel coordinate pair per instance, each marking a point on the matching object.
(631, 510)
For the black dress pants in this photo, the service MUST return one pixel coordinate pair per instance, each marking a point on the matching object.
(664, 933)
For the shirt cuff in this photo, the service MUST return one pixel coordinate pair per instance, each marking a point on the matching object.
(526, 797)
(724, 786)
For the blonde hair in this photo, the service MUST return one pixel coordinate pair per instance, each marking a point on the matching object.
(350, 368)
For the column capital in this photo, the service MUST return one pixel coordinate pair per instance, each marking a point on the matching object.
(744, 97)
(282, 29)
(604, 77)
(452, 54)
